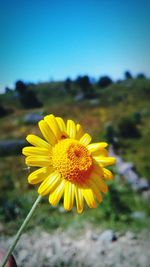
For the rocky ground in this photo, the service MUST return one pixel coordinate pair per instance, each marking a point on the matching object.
(92, 248)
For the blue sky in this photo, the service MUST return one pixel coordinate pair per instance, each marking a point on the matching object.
(44, 40)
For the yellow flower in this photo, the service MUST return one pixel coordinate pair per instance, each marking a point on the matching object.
(68, 163)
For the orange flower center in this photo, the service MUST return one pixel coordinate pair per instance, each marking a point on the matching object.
(72, 160)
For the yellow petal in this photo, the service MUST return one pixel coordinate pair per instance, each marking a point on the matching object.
(79, 131)
(71, 129)
(52, 122)
(96, 146)
(85, 139)
(107, 174)
(49, 184)
(95, 190)
(29, 151)
(39, 175)
(97, 169)
(56, 195)
(37, 141)
(89, 197)
(100, 153)
(79, 199)
(47, 132)
(69, 195)
(105, 161)
(100, 184)
(38, 161)
(61, 124)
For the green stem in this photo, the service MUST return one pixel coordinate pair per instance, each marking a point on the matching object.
(20, 231)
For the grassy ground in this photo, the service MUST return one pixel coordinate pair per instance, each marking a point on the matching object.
(116, 102)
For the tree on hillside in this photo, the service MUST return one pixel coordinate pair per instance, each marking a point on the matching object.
(141, 76)
(85, 85)
(20, 87)
(3, 111)
(104, 81)
(26, 96)
(7, 90)
(67, 85)
(128, 75)
(127, 128)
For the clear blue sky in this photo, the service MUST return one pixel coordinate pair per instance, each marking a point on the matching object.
(55, 39)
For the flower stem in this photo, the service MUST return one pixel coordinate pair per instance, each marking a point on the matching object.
(20, 231)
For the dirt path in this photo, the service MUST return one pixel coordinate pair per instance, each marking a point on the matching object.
(88, 249)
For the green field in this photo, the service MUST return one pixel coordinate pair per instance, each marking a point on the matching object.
(123, 105)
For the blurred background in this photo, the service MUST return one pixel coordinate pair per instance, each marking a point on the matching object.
(88, 61)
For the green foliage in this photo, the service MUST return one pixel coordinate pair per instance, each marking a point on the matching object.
(27, 97)
(115, 210)
(122, 105)
(141, 76)
(137, 117)
(3, 111)
(109, 132)
(127, 128)
(104, 81)
(85, 86)
(128, 75)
